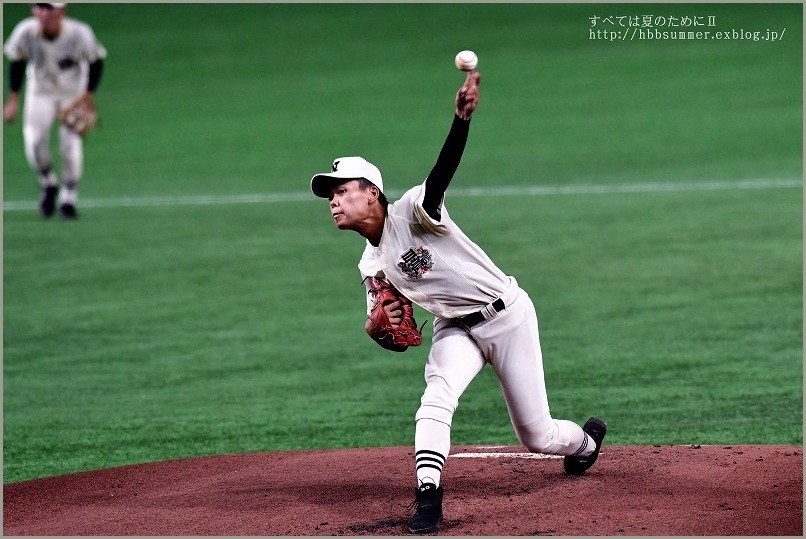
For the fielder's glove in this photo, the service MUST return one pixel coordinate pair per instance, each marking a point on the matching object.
(395, 338)
(81, 116)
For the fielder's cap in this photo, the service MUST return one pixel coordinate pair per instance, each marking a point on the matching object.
(51, 5)
(346, 168)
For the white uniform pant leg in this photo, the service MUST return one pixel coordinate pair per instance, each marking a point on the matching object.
(453, 362)
(512, 344)
(72, 153)
(71, 147)
(39, 113)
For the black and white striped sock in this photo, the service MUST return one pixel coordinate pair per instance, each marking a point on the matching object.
(47, 178)
(429, 466)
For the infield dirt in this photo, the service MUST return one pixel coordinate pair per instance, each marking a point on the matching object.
(637, 490)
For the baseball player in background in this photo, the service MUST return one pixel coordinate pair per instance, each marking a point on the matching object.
(62, 62)
(481, 314)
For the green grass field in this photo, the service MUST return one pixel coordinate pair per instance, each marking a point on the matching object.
(204, 303)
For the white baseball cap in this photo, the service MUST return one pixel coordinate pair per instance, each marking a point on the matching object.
(51, 4)
(346, 168)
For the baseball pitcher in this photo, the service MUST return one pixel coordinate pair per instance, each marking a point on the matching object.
(481, 315)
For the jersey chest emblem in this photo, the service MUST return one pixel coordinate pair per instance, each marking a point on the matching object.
(415, 262)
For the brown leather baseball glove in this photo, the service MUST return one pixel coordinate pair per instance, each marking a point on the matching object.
(395, 337)
(81, 116)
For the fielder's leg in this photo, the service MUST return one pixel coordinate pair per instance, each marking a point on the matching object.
(39, 113)
(71, 148)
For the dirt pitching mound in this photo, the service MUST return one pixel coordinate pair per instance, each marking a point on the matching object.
(644, 490)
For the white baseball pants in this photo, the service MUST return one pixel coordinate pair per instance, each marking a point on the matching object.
(40, 111)
(510, 342)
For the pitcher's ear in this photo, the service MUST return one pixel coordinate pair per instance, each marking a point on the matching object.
(374, 193)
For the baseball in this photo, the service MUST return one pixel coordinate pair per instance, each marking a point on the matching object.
(466, 61)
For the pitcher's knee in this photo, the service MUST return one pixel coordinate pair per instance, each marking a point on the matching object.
(438, 402)
(436, 410)
(537, 444)
(542, 440)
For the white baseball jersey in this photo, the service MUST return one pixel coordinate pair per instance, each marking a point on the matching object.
(59, 66)
(433, 263)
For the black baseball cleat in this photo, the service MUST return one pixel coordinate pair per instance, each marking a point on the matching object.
(68, 211)
(47, 200)
(597, 429)
(428, 513)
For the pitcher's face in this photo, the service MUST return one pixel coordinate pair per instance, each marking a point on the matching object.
(349, 204)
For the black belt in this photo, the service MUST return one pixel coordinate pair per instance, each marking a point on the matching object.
(474, 318)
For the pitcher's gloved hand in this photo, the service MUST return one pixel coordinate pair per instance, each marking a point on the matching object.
(391, 319)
